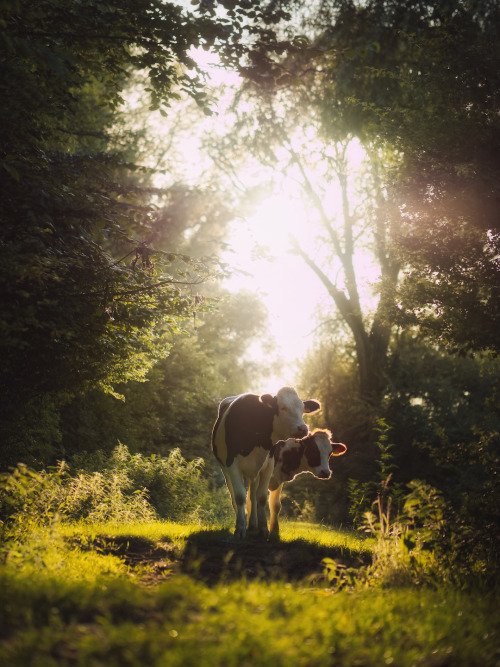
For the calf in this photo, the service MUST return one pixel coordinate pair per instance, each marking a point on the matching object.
(243, 436)
(293, 457)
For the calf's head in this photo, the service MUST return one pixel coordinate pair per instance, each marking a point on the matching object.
(318, 448)
(310, 454)
(289, 408)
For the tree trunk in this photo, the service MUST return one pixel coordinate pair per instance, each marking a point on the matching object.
(371, 348)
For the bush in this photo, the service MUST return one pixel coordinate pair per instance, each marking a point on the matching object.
(176, 488)
(126, 488)
(421, 534)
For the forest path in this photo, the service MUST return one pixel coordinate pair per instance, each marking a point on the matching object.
(213, 556)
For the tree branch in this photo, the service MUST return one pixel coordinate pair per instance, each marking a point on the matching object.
(147, 288)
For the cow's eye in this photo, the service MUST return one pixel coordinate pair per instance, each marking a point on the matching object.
(284, 408)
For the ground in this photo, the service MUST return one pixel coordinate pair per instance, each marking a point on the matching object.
(163, 594)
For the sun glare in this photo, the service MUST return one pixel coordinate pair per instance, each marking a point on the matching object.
(264, 263)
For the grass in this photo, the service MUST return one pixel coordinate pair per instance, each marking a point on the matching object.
(154, 531)
(348, 540)
(104, 600)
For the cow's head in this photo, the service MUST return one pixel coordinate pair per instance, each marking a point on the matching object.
(289, 408)
(318, 449)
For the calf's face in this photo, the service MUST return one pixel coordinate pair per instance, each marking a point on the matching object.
(317, 452)
(288, 421)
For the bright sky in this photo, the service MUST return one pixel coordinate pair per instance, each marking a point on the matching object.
(290, 291)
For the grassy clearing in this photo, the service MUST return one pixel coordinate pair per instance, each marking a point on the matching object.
(92, 607)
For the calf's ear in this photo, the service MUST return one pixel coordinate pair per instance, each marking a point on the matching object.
(312, 405)
(270, 401)
(338, 448)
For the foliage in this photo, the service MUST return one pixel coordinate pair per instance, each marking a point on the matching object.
(88, 301)
(424, 80)
(379, 491)
(407, 549)
(424, 540)
(177, 404)
(74, 192)
(125, 488)
(444, 424)
(344, 202)
(176, 488)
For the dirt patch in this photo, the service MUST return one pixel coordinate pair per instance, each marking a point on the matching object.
(153, 561)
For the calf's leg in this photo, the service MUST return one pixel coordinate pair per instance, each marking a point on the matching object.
(275, 507)
(261, 491)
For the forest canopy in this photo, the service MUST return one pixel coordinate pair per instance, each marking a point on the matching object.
(93, 290)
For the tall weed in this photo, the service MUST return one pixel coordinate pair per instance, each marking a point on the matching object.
(406, 547)
(419, 535)
(362, 495)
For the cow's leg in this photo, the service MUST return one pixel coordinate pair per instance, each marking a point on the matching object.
(260, 500)
(239, 495)
(252, 504)
(275, 507)
(261, 503)
(229, 485)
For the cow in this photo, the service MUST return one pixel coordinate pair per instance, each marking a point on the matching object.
(293, 457)
(247, 428)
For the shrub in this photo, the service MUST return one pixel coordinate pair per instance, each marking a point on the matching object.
(421, 535)
(108, 495)
(127, 488)
(177, 489)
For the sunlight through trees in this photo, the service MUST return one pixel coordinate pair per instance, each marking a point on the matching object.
(224, 196)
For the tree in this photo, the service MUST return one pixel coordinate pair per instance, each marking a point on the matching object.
(371, 340)
(442, 418)
(177, 404)
(347, 208)
(423, 78)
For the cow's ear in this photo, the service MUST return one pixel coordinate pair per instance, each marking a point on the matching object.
(269, 401)
(312, 405)
(338, 448)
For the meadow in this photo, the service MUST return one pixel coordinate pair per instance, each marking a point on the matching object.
(181, 594)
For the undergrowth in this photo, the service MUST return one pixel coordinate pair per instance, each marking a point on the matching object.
(418, 536)
(89, 575)
(125, 488)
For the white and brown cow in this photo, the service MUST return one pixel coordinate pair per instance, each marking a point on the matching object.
(293, 457)
(247, 428)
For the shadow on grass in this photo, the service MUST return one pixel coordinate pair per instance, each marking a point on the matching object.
(136, 551)
(214, 556)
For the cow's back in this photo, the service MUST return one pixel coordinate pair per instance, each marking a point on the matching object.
(242, 425)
